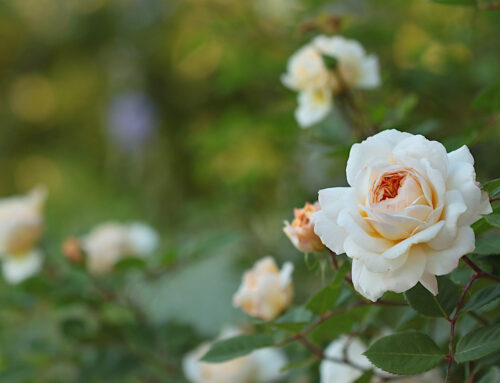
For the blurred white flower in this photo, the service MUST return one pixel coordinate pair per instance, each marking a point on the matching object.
(265, 291)
(301, 231)
(353, 348)
(110, 242)
(357, 69)
(313, 106)
(21, 226)
(406, 216)
(306, 70)
(317, 84)
(261, 366)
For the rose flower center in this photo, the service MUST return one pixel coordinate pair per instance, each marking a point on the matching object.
(388, 186)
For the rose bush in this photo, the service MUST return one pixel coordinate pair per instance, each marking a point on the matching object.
(406, 215)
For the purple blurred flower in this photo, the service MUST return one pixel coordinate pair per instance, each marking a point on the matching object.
(131, 121)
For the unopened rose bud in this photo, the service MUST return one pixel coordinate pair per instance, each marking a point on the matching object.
(301, 231)
(72, 250)
(265, 291)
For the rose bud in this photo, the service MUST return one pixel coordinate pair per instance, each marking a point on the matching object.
(265, 291)
(301, 231)
(72, 250)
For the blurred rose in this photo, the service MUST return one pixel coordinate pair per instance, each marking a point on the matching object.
(131, 121)
(317, 84)
(21, 225)
(301, 231)
(261, 366)
(265, 291)
(110, 242)
(406, 217)
(353, 348)
(356, 68)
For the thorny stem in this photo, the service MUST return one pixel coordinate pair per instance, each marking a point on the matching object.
(494, 199)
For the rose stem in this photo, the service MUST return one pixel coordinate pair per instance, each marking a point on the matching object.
(480, 272)
(453, 322)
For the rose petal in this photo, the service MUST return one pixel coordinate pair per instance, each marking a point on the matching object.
(18, 268)
(373, 261)
(440, 262)
(423, 236)
(374, 285)
(429, 281)
(375, 147)
(455, 207)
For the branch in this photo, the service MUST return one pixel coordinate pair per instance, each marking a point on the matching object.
(480, 272)
(453, 322)
(488, 7)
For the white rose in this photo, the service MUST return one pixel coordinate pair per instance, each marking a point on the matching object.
(261, 366)
(358, 70)
(333, 372)
(21, 226)
(110, 242)
(313, 106)
(406, 216)
(265, 291)
(306, 70)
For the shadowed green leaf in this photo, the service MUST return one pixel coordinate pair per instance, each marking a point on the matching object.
(441, 305)
(405, 353)
(326, 298)
(478, 343)
(483, 297)
(231, 348)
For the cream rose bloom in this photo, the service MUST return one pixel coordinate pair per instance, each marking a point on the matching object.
(317, 84)
(265, 291)
(261, 366)
(333, 372)
(407, 214)
(21, 226)
(110, 242)
(301, 231)
(357, 69)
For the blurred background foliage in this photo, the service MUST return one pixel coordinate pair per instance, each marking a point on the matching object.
(172, 112)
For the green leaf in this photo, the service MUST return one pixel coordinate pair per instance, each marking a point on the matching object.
(488, 246)
(330, 61)
(293, 321)
(299, 364)
(492, 376)
(483, 297)
(491, 186)
(488, 100)
(478, 343)
(326, 298)
(130, 263)
(365, 378)
(231, 348)
(441, 305)
(405, 353)
(493, 219)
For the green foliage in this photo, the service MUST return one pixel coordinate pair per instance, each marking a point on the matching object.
(441, 305)
(326, 298)
(405, 353)
(488, 100)
(487, 246)
(470, 3)
(366, 377)
(478, 343)
(483, 297)
(238, 346)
